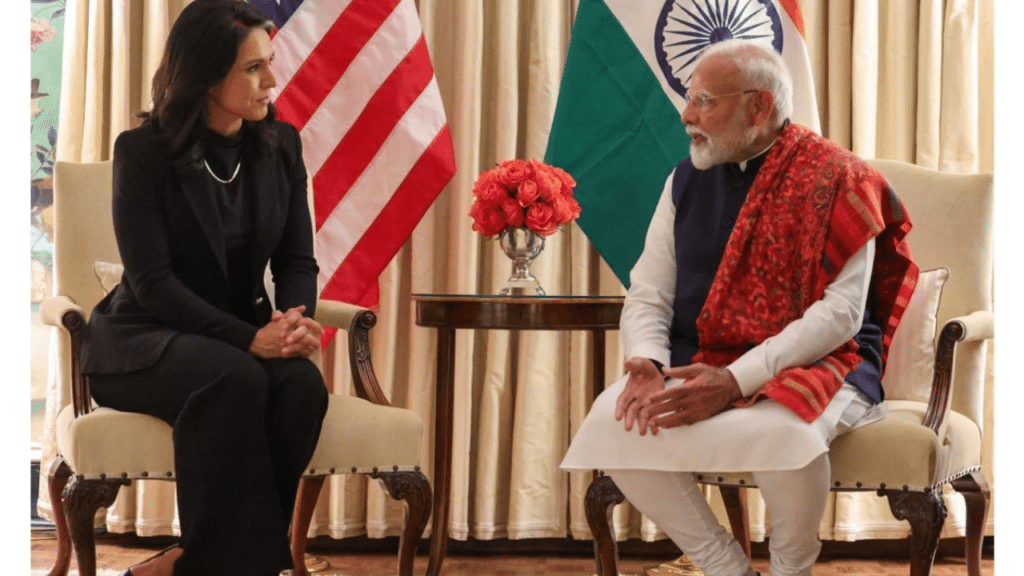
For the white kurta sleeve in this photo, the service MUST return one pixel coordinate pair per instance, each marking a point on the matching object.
(647, 312)
(825, 326)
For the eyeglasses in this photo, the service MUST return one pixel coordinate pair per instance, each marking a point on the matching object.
(701, 102)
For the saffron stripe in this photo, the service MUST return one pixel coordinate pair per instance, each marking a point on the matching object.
(342, 107)
(359, 145)
(792, 7)
(320, 72)
(405, 209)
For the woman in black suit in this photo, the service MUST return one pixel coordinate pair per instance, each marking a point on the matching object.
(207, 191)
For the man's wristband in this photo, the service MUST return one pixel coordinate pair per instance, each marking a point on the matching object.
(660, 367)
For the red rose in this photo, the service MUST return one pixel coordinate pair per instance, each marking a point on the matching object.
(527, 193)
(540, 218)
(493, 193)
(485, 179)
(564, 176)
(488, 219)
(514, 172)
(519, 193)
(548, 184)
(568, 183)
(513, 212)
(566, 209)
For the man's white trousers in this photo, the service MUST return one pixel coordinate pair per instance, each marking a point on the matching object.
(795, 500)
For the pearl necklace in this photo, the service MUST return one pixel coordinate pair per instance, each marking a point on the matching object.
(229, 180)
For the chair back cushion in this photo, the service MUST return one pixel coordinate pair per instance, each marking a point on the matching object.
(952, 217)
(910, 365)
(83, 232)
(83, 229)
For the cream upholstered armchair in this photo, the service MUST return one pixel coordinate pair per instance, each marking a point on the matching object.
(934, 382)
(100, 449)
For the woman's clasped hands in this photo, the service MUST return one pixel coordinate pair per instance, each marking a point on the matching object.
(289, 334)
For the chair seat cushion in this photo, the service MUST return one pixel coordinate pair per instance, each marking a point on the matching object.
(120, 444)
(895, 452)
(361, 436)
(356, 434)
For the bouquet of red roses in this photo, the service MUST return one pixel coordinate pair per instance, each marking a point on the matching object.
(523, 193)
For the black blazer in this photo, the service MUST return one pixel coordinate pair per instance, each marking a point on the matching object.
(172, 246)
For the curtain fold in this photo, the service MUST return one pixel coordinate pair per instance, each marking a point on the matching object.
(111, 51)
(899, 79)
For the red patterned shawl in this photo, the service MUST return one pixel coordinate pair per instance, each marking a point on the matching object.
(811, 207)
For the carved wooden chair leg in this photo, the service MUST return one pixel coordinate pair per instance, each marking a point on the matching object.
(305, 503)
(736, 508)
(601, 498)
(57, 479)
(975, 491)
(81, 499)
(926, 512)
(414, 488)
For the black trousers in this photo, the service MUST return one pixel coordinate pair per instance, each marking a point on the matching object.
(244, 431)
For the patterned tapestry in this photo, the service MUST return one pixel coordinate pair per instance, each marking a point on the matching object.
(47, 27)
(47, 44)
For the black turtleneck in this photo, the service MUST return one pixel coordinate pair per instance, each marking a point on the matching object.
(223, 154)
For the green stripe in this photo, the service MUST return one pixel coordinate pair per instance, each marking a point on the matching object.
(616, 132)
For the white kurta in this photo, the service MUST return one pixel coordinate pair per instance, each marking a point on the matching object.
(765, 436)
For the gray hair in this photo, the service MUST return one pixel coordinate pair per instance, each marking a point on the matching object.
(761, 68)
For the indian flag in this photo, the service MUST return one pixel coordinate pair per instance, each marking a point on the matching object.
(616, 126)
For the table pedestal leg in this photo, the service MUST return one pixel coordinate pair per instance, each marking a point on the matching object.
(443, 427)
(598, 363)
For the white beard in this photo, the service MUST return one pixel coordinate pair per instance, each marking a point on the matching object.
(724, 148)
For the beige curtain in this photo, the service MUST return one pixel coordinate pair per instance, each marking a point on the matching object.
(111, 50)
(910, 80)
(898, 79)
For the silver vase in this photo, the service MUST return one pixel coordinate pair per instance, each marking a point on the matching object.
(521, 245)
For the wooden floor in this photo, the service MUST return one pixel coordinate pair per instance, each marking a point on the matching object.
(121, 551)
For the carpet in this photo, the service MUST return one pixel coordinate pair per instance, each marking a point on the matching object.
(99, 572)
(108, 572)
(113, 572)
(681, 566)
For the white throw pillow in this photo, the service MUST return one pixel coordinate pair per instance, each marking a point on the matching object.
(908, 374)
(108, 273)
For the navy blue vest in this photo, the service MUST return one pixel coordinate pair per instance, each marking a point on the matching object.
(707, 203)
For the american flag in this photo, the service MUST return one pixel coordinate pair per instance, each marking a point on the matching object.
(355, 78)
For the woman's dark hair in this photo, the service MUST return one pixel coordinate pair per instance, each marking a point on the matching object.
(200, 51)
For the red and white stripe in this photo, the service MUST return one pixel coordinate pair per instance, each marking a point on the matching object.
(355, 77)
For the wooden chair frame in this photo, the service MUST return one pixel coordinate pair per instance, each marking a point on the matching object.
(76, 500)
(953, 231)
(924, 510)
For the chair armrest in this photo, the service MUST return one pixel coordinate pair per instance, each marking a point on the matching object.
(978, 325)
(357, 321)
(52, 310)
(62, 312)
(336, 314)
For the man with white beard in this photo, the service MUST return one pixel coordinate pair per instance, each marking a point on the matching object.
(774, 273)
